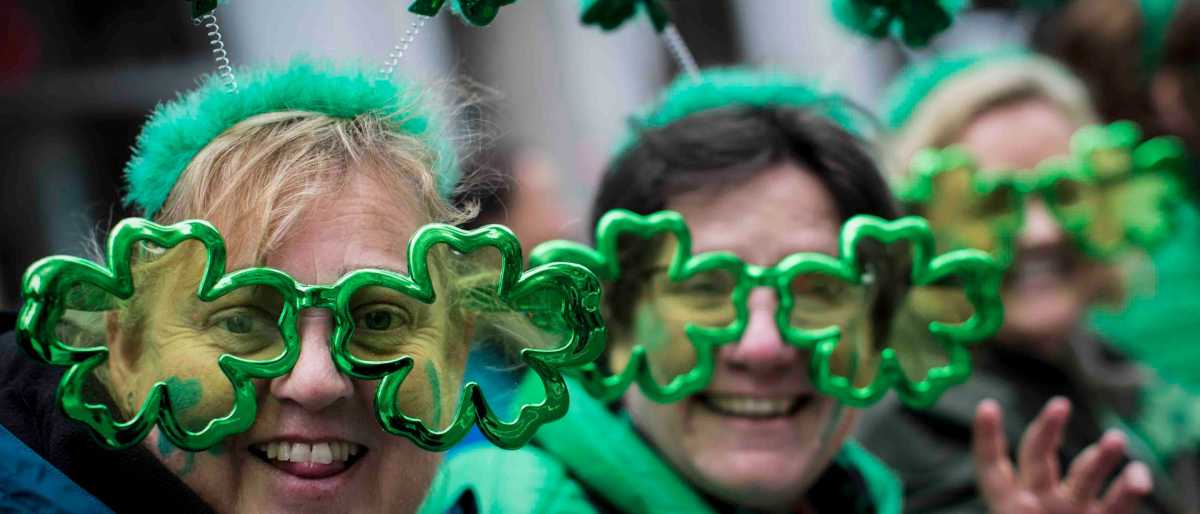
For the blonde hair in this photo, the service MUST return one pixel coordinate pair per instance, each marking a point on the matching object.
(256, 179)
(941, 116)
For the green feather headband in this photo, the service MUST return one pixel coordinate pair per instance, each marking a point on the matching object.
(178, 130)
(731, 87)
(918, 82)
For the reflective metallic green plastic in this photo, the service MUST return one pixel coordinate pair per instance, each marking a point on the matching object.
(202, 7)
(916, 22)
(603, 261)
(919, 190)
(478, 12)
(611, 14)
(45, 288)
(1160, 158)
(578, 290)
(979, 273)
(48, 281)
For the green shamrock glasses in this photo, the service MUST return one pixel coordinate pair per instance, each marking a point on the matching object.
(887, 312)
(1110, 195)
(164, 335)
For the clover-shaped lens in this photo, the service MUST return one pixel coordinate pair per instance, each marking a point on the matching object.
(466, 305)
(821, 300)
(166, 333)
(160, 335)
(918, 350)
(966, 209)
(887, 313)
(673, 308)
(468, 327)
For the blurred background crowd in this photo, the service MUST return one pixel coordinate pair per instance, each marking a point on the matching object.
(77, 79)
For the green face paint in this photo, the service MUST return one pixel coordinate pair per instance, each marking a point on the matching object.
(185, 396)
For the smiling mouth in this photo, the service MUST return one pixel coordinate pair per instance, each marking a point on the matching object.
(754, 407)
(312, 461)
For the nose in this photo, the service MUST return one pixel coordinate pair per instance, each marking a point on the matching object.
(1041, 228)
(761, 352)
(314, 383)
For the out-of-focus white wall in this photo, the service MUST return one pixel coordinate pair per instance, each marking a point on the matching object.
(803, 38)
(265, 31)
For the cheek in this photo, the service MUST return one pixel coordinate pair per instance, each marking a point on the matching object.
(432, 388)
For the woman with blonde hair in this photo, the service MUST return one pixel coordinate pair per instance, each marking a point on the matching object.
(998, 151)
(289, 328)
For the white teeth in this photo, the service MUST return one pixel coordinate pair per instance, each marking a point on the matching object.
(321, 453)
(746, 406)
(301, 452)
(318, 453)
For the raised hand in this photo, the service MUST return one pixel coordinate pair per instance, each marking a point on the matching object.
(1036, 485)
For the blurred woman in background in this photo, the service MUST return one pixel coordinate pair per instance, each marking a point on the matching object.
(1015, 113)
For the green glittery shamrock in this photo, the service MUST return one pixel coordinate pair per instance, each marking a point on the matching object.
(916, 22)
(1138, 185)
(950, 300)
(820, 295)
(53, 285)
(477, 12)
(202, 7)
(970, 210)
(255, 324)
(611, 14)
(1111, 194)
(567, 292)
(683, 267)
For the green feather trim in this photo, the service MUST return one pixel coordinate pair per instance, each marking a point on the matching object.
(916, 83)
(178, 130)
(915, 22)
(731, 87)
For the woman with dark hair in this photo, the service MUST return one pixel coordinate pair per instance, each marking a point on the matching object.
(761, 167)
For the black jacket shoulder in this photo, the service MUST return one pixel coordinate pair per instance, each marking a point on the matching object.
(129, 480)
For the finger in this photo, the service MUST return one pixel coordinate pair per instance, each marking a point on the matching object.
(990, 450)
(1093, 465)
(1037, 458)
(1126, 492)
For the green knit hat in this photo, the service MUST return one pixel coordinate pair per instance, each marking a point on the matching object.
(178, 130)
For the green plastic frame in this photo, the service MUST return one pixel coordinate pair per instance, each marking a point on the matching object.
(47, 282)
(684, 265)
(979, 273)
(1162, 157)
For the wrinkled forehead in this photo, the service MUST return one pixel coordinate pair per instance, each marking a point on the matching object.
(357, 226)
(779, 211)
